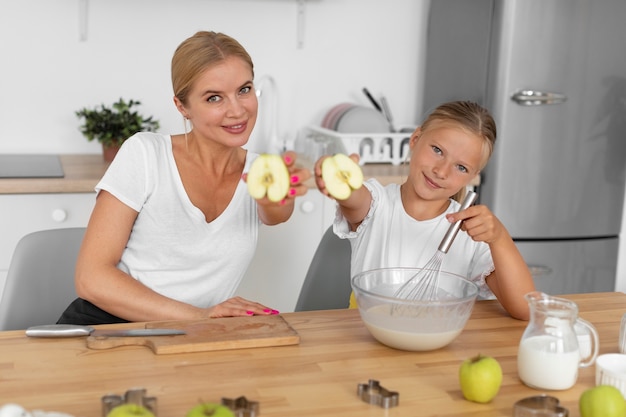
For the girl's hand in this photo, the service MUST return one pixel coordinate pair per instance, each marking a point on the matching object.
(480, 224)
(239, 307)
(319, 181)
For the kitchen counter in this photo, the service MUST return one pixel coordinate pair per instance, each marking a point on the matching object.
(82, 172)
(317, 377)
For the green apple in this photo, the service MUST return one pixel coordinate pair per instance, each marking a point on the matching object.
(268, 176)
(480, 378)
(602, 401)
(130, 410)
(341, 175)
(210, 410)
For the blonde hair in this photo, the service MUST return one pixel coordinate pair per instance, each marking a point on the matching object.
(200, 52)
(472, 117)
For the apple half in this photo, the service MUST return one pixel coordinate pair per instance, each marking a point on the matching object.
(341, 175)
(268, 176)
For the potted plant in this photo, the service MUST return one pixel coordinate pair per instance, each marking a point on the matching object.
(111, 126)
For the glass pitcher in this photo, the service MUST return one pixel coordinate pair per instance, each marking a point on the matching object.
(549, 354)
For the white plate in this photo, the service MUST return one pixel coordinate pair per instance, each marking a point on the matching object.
(332, 114)
(360, 119)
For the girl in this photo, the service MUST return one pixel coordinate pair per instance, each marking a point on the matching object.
(174, 228)
(402, 225)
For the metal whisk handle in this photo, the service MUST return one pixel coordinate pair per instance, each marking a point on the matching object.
(447, 240)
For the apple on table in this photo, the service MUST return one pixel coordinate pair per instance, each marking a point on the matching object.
(480, 378)
(130, 410)
(602, 401)
(207, 409)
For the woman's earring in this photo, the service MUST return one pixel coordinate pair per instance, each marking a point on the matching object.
(186, 129)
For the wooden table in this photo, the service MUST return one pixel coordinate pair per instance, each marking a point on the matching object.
(318, 377)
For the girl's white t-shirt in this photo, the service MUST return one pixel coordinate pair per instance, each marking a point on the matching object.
(172, 249)
(388, 237)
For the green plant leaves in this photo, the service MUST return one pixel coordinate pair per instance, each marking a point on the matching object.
(113, 125)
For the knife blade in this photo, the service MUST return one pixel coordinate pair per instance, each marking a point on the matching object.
(74, 330)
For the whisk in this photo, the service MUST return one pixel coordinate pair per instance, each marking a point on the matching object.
(424, 284)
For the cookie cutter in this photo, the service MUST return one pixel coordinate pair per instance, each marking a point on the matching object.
(241, 406)
(539, 406)
(374, 393)
(132, 396)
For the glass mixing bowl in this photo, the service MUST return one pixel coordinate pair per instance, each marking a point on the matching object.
(414, 325)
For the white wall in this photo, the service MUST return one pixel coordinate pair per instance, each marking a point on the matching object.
(47, 72)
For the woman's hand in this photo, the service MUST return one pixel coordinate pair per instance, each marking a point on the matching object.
(239, 307)
(280, 211)
(297, 175)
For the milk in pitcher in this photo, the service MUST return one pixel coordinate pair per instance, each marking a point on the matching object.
(549, 354)
(539, 367)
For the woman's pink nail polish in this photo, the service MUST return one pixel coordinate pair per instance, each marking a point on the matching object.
(287, 159)
(250, 313)
(267, 310)
(295, 179)
(275, 312)
(292, 191)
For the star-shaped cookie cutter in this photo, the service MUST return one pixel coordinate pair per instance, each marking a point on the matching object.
(132, 396)
(373, 393)
(241, 406)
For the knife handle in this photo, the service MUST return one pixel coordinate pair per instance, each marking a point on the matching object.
(59, 330)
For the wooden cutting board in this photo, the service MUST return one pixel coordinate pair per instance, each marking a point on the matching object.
(209, 334)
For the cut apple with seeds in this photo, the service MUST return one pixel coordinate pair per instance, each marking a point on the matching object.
(268, 176)
(341, 175)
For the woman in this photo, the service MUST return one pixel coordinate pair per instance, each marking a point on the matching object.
(402, 225)
(174, 229)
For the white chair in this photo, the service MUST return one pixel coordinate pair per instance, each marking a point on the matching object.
(40, 281)
(327, 282)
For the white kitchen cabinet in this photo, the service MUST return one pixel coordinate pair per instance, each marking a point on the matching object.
(21, 214)
(284, 253)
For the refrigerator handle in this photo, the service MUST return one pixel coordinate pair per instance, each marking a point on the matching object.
(537, 98)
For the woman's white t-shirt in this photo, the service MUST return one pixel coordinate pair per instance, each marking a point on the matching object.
(388, 237)
(172, 249)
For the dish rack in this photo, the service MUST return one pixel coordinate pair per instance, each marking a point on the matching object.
(390, 148)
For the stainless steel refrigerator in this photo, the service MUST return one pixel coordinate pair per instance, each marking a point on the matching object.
(553, 74)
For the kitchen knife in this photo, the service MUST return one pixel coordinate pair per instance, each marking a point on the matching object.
(372, 99)
(73, 330)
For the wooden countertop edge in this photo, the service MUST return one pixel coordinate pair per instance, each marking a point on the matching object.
(83, 171)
